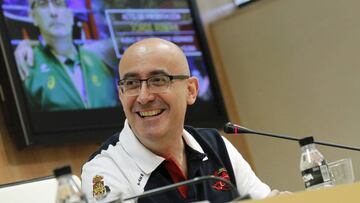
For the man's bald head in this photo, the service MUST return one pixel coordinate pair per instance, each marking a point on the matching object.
(156, 113)
(154, 49)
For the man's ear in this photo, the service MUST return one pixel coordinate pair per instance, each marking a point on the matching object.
(71, 17)
(120, 95)
(32, 15)
(193, 90)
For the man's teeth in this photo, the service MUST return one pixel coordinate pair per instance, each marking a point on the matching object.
(149, 113)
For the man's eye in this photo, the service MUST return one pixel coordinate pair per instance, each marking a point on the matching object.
(158, 81)
(131, 83)
(42, 3)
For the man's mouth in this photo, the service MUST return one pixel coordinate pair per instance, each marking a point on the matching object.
(145, 114)
(54, 24)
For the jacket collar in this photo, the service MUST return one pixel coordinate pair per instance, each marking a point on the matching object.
(146, 160)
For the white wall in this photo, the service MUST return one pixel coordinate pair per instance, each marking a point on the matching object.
(294, 68)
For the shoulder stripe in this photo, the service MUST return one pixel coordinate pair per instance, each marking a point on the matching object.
(112, 140)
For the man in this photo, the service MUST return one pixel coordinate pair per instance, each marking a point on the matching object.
(64, 76)
(154, 149)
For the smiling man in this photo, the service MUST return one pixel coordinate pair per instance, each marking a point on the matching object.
(64, 76)
(154, 148)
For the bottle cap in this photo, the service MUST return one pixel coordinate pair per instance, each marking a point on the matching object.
(65, 170)
(306, 140)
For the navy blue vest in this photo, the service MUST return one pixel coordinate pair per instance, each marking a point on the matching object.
(218, 160)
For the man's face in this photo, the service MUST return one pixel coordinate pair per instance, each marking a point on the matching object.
(156, 116)
(52, 17)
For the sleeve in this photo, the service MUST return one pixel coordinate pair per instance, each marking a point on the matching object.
(246, 180)
(33, 86)
(101, 181)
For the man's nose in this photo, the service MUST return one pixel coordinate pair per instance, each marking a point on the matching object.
(145, 95)
(53, 10)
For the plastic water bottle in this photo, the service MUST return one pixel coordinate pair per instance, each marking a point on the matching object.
(314, 169)
(68, 190)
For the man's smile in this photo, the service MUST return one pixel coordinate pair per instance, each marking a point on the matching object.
(150, 113)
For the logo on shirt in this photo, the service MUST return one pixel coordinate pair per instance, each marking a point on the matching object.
(140, 178)
(219, 185)
(95, 80)
(51, 82)
(100, 190)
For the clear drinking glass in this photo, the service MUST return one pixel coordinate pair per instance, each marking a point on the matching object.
(342, 171)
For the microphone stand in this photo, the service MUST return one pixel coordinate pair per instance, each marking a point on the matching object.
(186, 182)
(236, 129)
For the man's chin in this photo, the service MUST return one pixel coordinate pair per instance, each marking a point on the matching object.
(150, 132)
(59, 32)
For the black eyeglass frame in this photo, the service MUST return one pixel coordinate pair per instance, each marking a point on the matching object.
(32, 6)
(171, 78)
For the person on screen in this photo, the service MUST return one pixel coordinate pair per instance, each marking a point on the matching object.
(154, 148)
(64, 76)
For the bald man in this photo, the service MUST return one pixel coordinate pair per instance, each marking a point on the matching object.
(154, 148)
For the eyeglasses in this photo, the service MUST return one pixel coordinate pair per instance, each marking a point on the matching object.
(45, 3)
(155, 84)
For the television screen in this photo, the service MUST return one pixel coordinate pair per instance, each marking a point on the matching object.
(60, 58)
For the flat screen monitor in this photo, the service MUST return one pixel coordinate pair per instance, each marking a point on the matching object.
(59, 61)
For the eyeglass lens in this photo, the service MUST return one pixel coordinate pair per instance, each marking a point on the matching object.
(45, 3)
(155, 84)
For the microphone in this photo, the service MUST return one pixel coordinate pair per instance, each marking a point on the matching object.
(186, 182)
(231, 128)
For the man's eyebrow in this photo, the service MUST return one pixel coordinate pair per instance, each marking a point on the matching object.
(130, 75)
(158, 72)
(154, 72)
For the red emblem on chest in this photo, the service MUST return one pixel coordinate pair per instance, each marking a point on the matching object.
(219, 185)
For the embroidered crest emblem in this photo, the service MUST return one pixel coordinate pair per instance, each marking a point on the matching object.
(219, 185)
(100, 190)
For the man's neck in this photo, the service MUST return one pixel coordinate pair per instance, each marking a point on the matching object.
(62, 46)
(171, 149)
(176, 152)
